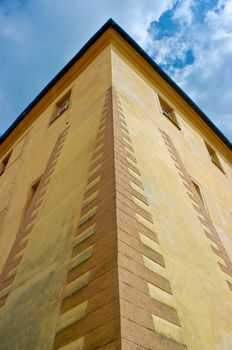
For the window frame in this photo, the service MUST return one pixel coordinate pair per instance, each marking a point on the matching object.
(30, 195)
(2, 219)
(213, 156)
(168, 112)
(197, 187)
(4, 163)
(58, 108)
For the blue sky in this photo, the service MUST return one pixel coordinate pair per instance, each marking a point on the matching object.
(190, 39)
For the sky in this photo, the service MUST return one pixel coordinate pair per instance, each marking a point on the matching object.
(190, 39)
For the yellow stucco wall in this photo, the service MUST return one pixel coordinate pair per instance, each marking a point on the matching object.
(33, 306)
(203, 299)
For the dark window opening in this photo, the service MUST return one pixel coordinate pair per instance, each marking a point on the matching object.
(61, 106)
(4, 163)
(198, 189)
(214, 157)
(31, 194)
(168, 112)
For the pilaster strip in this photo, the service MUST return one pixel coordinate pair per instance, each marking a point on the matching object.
(107, 271)
(225, 263)
(16, 253)
(92, 278)
(147, 306)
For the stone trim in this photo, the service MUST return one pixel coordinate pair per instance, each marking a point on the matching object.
(113, 278)
(12, 264)
(203, 215)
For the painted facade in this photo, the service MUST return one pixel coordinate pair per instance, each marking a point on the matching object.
(115, 216)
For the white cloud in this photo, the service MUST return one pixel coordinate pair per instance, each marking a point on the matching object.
(142, 14)
(208, 80)
(37, 38)
(183, 12)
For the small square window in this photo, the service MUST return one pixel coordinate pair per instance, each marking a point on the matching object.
(3, 163)
(214, 157)
(61, 106)
(31, 194)
(168, 112)
(199, 192)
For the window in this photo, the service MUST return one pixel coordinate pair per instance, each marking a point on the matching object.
(2, 217)
(61, 106)
(168, 112)
(214, 157)
(198, 189)
(3, 163)
(31, 194)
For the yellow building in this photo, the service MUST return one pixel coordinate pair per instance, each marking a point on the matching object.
(115, 212)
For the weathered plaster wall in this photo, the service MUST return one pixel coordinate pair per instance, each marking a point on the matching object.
(201, 295)
(28, 319)
(199, 286)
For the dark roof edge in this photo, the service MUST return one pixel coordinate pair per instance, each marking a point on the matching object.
(152, 63)
(80, 53)
(148, 59)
